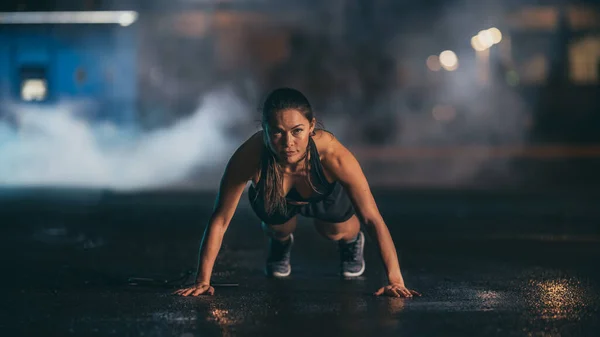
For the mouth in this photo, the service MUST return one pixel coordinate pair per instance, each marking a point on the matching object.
(288, 153)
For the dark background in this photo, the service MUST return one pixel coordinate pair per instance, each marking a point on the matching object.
(486, 173)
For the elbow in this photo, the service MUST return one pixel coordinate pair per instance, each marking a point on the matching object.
(371, 219)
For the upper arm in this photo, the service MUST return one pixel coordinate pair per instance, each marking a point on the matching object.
(342, 164)
(239, 170)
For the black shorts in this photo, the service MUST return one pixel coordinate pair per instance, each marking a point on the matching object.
(333, 207)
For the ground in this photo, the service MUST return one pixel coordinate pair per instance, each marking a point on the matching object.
(487, 264)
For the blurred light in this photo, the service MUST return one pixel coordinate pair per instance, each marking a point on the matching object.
(496, 34)
(221, 316)
(34, 90)
(485, 38)
(127, 18)
(443, 113)
(512, 78)
(476, 44)
(449, 60)
(488, 298)
(433, 63)
(559, 299)
(124, 18)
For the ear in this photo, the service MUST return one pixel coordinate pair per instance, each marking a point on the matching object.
(313, 123)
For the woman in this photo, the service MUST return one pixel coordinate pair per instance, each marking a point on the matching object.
(296, 169)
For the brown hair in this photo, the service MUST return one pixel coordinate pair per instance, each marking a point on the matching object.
(279, 100)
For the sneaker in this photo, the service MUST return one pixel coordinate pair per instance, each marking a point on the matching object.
(278, 261)
(351, 256)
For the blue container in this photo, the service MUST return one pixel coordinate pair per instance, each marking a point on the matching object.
(90, 69)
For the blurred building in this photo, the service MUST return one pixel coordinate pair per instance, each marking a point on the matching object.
(374, 62)
(81, 61)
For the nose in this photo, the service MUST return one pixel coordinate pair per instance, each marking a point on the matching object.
(288, 139)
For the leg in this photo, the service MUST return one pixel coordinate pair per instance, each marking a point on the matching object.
(281, 240)
(280, 232)
(339, 231)
(351, 242)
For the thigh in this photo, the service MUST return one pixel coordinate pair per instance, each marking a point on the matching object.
(280, 229)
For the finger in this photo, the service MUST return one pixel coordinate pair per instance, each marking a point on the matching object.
(379, 292)
(404, 292)
(211, 291)
(416, 293)
(180, 291)
(187, 292)
(394, 292)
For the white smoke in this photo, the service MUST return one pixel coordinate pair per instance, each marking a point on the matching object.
(53, 147)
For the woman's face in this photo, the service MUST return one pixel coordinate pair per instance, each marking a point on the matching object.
(288, 133)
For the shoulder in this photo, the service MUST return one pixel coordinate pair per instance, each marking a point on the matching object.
(341, 164)
(253, 145)
(247, 157)
(332, 152)
(325, 142)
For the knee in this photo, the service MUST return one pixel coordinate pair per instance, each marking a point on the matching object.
(330, 232)
(335, 236)
(339, 231)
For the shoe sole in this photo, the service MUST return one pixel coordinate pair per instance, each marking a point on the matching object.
(362, 269)
(358, 273)
(278, 274)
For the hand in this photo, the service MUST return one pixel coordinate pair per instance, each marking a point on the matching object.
(198, 289)
(396, 290)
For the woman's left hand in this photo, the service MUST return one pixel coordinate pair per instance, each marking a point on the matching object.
(396, 290)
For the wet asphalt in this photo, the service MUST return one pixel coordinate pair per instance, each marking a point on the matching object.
(487, 264)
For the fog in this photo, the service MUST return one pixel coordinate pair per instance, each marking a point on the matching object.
(362, 65)
(53, 147)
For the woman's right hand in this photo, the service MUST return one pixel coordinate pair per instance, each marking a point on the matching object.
(195, 290)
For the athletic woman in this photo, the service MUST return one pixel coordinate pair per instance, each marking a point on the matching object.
(296, 169)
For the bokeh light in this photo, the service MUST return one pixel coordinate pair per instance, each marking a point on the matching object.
(485, 38)
(496, 34)
(476, 44)
(433, 63)
(127, 18)
(449, 60)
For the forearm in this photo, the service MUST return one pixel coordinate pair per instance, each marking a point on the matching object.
(209, 249)
(387, 251)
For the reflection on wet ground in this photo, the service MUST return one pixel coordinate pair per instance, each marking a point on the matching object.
(66, 272)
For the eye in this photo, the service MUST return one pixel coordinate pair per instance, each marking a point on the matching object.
(296, 131)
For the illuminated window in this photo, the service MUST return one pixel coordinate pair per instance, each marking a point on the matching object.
(34, 86)
(34, 90)
(584, 58)
(531, 58)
